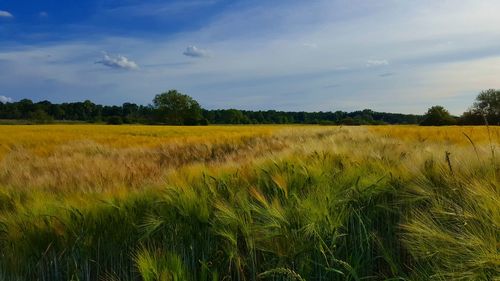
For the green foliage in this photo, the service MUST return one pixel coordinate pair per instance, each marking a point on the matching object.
(485, 110)
(41, 117)
(176, 108)
(160, 266)
(437, 116)
(364, 117)
(453, 229)
(488, 103)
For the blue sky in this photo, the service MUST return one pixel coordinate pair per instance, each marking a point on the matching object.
(387, 55)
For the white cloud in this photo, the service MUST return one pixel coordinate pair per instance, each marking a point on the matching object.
(372, 63)
(193, 51)
(4, 99)
(5, 14)
(118, 62)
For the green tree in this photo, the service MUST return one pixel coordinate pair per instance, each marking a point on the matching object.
(488, 102)
(488, 105)
(41, 117)
(437, 116)
(486, 108)
(130, 112)
(26, 107)
(175, 108)
(234, 116)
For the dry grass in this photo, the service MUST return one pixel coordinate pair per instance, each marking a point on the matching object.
(43, 140)
(453, 135)
(98, 158)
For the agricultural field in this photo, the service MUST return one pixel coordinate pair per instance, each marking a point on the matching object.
(97, 202)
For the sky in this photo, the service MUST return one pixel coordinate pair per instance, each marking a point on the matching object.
(316, 55)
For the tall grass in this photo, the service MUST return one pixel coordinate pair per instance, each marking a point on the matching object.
(295, 204)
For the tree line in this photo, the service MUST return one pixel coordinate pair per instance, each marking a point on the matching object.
(484, 111)
(175, 108)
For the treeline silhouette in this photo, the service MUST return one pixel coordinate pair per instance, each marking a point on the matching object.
(87, 111)
(176, 108)
(363, 117)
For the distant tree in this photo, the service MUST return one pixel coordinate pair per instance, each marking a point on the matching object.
(437, 116)
(56, 111)
(488, 102)
(485, 108)
(348, 121)
(113, 110)
(43, 105)
(175, 108)
(130, 112)
(146, 114)
(40, 117)
(471, 118)
(26, 107)
(89, 110)
(234, 116)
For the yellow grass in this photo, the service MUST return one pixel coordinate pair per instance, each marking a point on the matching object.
(448, 135)
(45, 139)
(99, 158)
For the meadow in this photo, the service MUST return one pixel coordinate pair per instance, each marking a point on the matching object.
(97, 202)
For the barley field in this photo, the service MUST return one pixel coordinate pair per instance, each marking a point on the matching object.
(96, 202)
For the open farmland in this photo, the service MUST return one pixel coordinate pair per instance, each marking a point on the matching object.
(95, 202)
